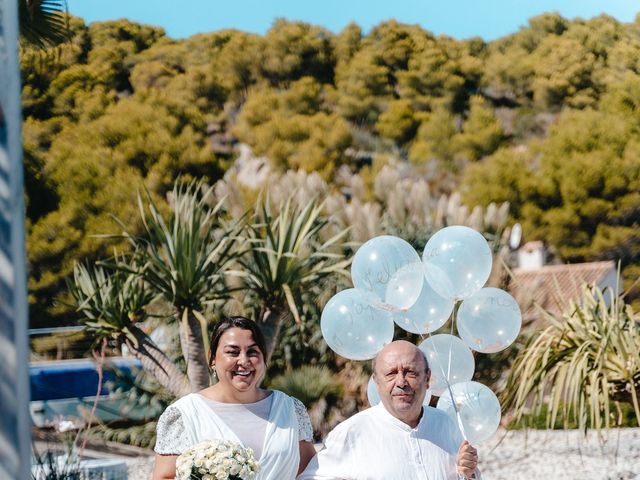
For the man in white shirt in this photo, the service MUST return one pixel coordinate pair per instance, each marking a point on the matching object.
(397, 439)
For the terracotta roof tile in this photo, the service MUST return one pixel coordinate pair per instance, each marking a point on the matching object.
(552, 286)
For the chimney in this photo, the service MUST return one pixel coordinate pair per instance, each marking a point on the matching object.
(531, 255)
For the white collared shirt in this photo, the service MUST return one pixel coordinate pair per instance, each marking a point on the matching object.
(374, 445)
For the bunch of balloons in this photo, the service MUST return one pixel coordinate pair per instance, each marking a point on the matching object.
(392, 284)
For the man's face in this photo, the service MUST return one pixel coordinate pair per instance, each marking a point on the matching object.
(402, 380)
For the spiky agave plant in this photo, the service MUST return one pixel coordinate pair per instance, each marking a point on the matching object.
(183, 257)
(581, 366)
(111, 303)
(286, 258)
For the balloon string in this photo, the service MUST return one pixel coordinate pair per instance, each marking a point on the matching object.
(454, 315)
(454, 318)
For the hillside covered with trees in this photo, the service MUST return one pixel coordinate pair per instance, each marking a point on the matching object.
(547, 119)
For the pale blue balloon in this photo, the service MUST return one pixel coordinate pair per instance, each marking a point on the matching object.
(427, 397)
(450, 361)
(489, 321)
(353, 328)
(457, 262)
(478, 409)
(374, 397)
(389, 270)
(429, 313)
(372, 392)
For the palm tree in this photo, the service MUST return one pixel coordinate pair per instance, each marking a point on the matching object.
(581, 366)
(112, 303)
(43, 22)
(286, 258)
(183, 258)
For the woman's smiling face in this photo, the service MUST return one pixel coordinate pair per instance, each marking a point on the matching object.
(239, 363)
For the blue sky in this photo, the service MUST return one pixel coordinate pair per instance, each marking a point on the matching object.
(458, 18)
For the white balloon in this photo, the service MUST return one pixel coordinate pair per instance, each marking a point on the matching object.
(372, 392)
(427, 397)
(450, 361)
(478, 407)
(389, 270)
(353, 328)
(457, 262)
(489, 321)
(428, 314)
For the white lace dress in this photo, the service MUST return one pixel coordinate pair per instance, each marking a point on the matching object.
(272, 427)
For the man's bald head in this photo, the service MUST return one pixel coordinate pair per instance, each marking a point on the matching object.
(402, 345)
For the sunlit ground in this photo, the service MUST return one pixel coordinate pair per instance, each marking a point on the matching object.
(535, 454)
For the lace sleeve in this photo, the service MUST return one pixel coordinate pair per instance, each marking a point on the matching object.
(305, 430)
(171, 436)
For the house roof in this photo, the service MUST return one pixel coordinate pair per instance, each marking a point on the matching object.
(552, 286)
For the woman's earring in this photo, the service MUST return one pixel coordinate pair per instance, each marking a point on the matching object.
(214, 374)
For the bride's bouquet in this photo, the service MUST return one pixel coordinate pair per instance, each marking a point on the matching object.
(217, 460)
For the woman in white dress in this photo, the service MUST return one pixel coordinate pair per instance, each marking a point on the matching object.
(276, 426)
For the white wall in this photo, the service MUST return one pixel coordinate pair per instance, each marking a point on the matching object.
(531, 257)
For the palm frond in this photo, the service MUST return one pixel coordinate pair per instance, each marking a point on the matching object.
(109, 301)
(286, 253)
(43, 23)
(184, 256)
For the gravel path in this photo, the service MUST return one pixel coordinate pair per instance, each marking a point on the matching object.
(535, 454)
(566, 455)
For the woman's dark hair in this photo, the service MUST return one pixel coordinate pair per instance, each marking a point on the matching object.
(236, 322)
